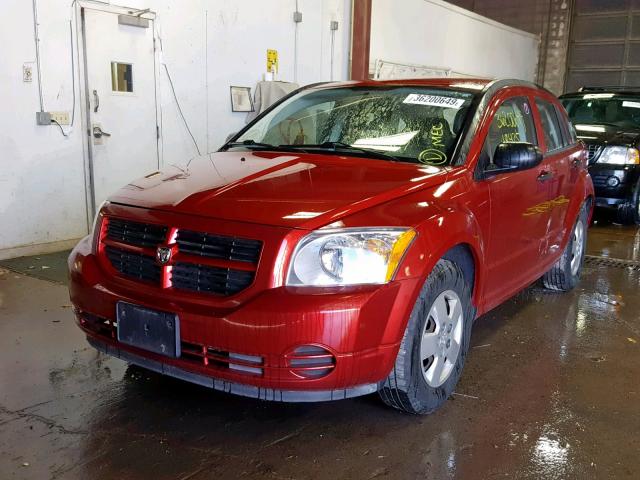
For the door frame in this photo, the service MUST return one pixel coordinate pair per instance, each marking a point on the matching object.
(85, 95)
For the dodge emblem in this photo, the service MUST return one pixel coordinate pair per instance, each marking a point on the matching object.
(163, 255)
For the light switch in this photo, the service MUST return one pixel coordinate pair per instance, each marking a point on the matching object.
(27, 72)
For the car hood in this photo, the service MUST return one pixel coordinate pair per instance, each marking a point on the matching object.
(282, 189)
(609, 134)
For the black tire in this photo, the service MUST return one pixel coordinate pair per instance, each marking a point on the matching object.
(406, 387)
(562, 277)
(629, 212)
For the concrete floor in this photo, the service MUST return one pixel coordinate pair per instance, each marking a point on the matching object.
(551, 390)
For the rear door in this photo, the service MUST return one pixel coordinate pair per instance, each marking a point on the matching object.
(519, 214)
(558, 157)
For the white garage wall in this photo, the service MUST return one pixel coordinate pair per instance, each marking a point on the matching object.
(438, 34)
(42, 177)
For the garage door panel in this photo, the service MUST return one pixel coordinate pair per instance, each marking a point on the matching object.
(635, 26)
(632, 78)
(634, 55)
(576, 80)
(597, 6)
(600, 28)
(609, 55)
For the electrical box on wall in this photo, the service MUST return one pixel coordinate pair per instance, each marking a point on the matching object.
(43, 118)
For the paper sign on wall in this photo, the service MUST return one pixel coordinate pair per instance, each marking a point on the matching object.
(272, 61)
(434, 100)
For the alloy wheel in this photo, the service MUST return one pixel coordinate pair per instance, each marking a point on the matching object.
(441, 338)
(577, 247)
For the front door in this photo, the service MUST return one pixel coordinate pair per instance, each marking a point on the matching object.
(520, 216)
(120, 87)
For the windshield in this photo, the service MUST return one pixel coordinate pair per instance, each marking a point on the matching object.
(604, 108)
(412, 124)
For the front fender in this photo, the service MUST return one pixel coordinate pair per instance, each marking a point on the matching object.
(441, 224)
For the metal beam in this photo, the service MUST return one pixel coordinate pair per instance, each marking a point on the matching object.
(360, 39)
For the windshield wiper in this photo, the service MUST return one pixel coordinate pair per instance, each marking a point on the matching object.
(251, 143)
(261, 146)
(335, 146)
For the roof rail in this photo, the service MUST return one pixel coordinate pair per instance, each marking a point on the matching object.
(618, 88)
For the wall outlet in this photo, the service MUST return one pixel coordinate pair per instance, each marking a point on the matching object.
(61, 117)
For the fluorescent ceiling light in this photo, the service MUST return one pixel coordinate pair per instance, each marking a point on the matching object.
(599, 95)
(590, 128)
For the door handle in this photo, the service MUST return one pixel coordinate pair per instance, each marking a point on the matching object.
(96, 98)
(98, 133)
(544, 176)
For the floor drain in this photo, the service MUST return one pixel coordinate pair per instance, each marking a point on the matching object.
(598, 261)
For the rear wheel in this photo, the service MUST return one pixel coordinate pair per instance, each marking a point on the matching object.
(435, 344)
(629, 213)
(565, 273)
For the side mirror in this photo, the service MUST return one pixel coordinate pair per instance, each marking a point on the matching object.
(510, 157)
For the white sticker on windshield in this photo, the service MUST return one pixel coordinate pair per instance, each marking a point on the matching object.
(629, 104)
(434, 100)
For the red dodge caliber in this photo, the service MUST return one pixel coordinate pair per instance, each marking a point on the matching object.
(342, 243)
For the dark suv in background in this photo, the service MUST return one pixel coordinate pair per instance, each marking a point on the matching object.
(607, 120)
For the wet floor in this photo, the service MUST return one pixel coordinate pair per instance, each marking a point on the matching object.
(551, 390)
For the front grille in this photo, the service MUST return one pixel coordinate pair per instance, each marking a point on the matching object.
(134, 233)
(593, 152)
(599, 179)
(203, 278)
(135, 265)
(131, 247)
(218, 246)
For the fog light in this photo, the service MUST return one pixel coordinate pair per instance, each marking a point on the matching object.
(613, 181)
(311, 361)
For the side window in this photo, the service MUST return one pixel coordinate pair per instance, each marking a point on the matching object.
(512, 123)
(572, 133)
(550, 126)
(565, 125)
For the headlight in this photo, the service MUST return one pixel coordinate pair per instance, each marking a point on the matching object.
(95, 229)
(351, 256)
(619, 156)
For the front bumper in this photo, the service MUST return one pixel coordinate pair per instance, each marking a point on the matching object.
(361, 327)
(613, 185)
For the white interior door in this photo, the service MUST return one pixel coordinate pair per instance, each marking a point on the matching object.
(121, 93)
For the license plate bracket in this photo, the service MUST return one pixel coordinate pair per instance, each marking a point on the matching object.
(148, 329)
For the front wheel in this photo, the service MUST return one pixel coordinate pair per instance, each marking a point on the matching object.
(565, 273)
(629, 213)
(434, 345)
